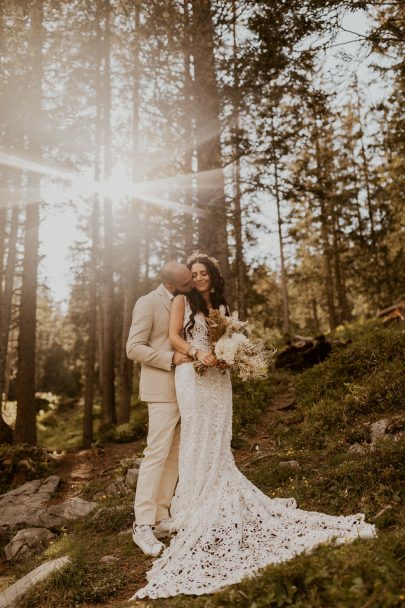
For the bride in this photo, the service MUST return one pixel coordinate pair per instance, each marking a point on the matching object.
(226, 527)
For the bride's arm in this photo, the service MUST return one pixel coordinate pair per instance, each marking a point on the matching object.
(176, 325)
(176, 329)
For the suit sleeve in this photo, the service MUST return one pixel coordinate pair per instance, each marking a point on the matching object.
(137, 343)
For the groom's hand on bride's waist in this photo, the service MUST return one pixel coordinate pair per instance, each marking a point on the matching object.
(179, 358)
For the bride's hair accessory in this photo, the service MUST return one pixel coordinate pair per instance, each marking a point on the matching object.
(197, 254)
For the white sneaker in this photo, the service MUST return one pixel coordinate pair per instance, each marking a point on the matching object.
(163, 528)
(145, 539)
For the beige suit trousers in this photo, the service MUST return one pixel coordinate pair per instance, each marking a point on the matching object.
(159, 468)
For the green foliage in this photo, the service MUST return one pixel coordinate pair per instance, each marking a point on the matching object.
(20, 463)
(365, 378)
(250, 400)
(135, 429)
(77, 583)
(57, 375)
(112, 519)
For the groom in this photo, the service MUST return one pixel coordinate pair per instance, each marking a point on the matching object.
(148, 343)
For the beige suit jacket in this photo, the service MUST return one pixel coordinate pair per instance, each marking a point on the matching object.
(148, 343)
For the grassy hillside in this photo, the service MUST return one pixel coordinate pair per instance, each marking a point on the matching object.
(337, 402)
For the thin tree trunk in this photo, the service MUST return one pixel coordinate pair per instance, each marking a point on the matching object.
(284, 288)
(366, 172)
(90, 373)
(339, 276)
(327, 254)
(131, 273)
(108, 388)
(240, 264)
(25, 427)
(92, 338)
(315, 317)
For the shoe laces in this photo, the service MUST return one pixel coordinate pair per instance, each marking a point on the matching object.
(147, 535)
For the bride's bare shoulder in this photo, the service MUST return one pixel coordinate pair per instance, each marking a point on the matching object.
(179, 302)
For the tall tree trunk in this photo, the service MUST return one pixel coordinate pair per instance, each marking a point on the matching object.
(284, 288)
(237, 215)
(315, 318)
(92, 337)
(213, 236)
(131, 272)
(108, 378)
(6, 433)
(90, 373)
(344, 313)
(365, 167)
(188, 131)
(8, 293)
(25, 427)
(325, 229)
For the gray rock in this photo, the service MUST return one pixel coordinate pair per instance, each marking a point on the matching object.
(117, 487)
(10, 597)
(356, 448)
(293, 464)
(131, 478)
(72, 508)
(378, 429)
(27, 539)
(138, 461)
(27, 506)
(108, 559)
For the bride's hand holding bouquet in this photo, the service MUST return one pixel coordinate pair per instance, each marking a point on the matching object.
(233, 348)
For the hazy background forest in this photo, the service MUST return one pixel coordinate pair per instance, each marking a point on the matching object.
(251, 130)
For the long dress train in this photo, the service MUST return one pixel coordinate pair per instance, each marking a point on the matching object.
(227, 528)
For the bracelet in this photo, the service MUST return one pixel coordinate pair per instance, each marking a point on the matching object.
(192, 352)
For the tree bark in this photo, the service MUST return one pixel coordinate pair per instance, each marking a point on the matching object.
(213, 236)
(25, 427)
(284, 288)
(108, 377)
(365, 167)
(90, 373)
(132, 246)
(188, 131)
(325, 238)
(239, 258)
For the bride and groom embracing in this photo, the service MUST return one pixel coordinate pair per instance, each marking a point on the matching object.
(223, 527)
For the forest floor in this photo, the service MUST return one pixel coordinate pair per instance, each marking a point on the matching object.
(311, 421)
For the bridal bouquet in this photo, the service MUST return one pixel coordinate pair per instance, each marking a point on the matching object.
(233, 348)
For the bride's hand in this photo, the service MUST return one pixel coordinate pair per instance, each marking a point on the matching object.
(207, 358)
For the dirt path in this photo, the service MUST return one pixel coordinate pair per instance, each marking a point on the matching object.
(77, 469)
(263, 442)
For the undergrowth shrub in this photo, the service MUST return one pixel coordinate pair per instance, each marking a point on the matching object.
(22, 462)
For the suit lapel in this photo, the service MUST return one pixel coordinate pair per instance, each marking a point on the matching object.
(163, 297)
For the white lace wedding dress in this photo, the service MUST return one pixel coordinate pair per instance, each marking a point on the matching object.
(227, 528)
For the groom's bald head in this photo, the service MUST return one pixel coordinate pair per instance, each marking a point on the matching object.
(176, 278)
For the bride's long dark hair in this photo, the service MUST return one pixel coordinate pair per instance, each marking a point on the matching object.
(217, 297)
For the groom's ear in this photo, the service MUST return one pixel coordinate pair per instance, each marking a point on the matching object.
(170, 287)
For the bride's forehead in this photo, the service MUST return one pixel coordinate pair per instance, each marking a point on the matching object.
(198, 267)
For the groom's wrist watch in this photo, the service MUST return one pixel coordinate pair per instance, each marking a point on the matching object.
(192, 352)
